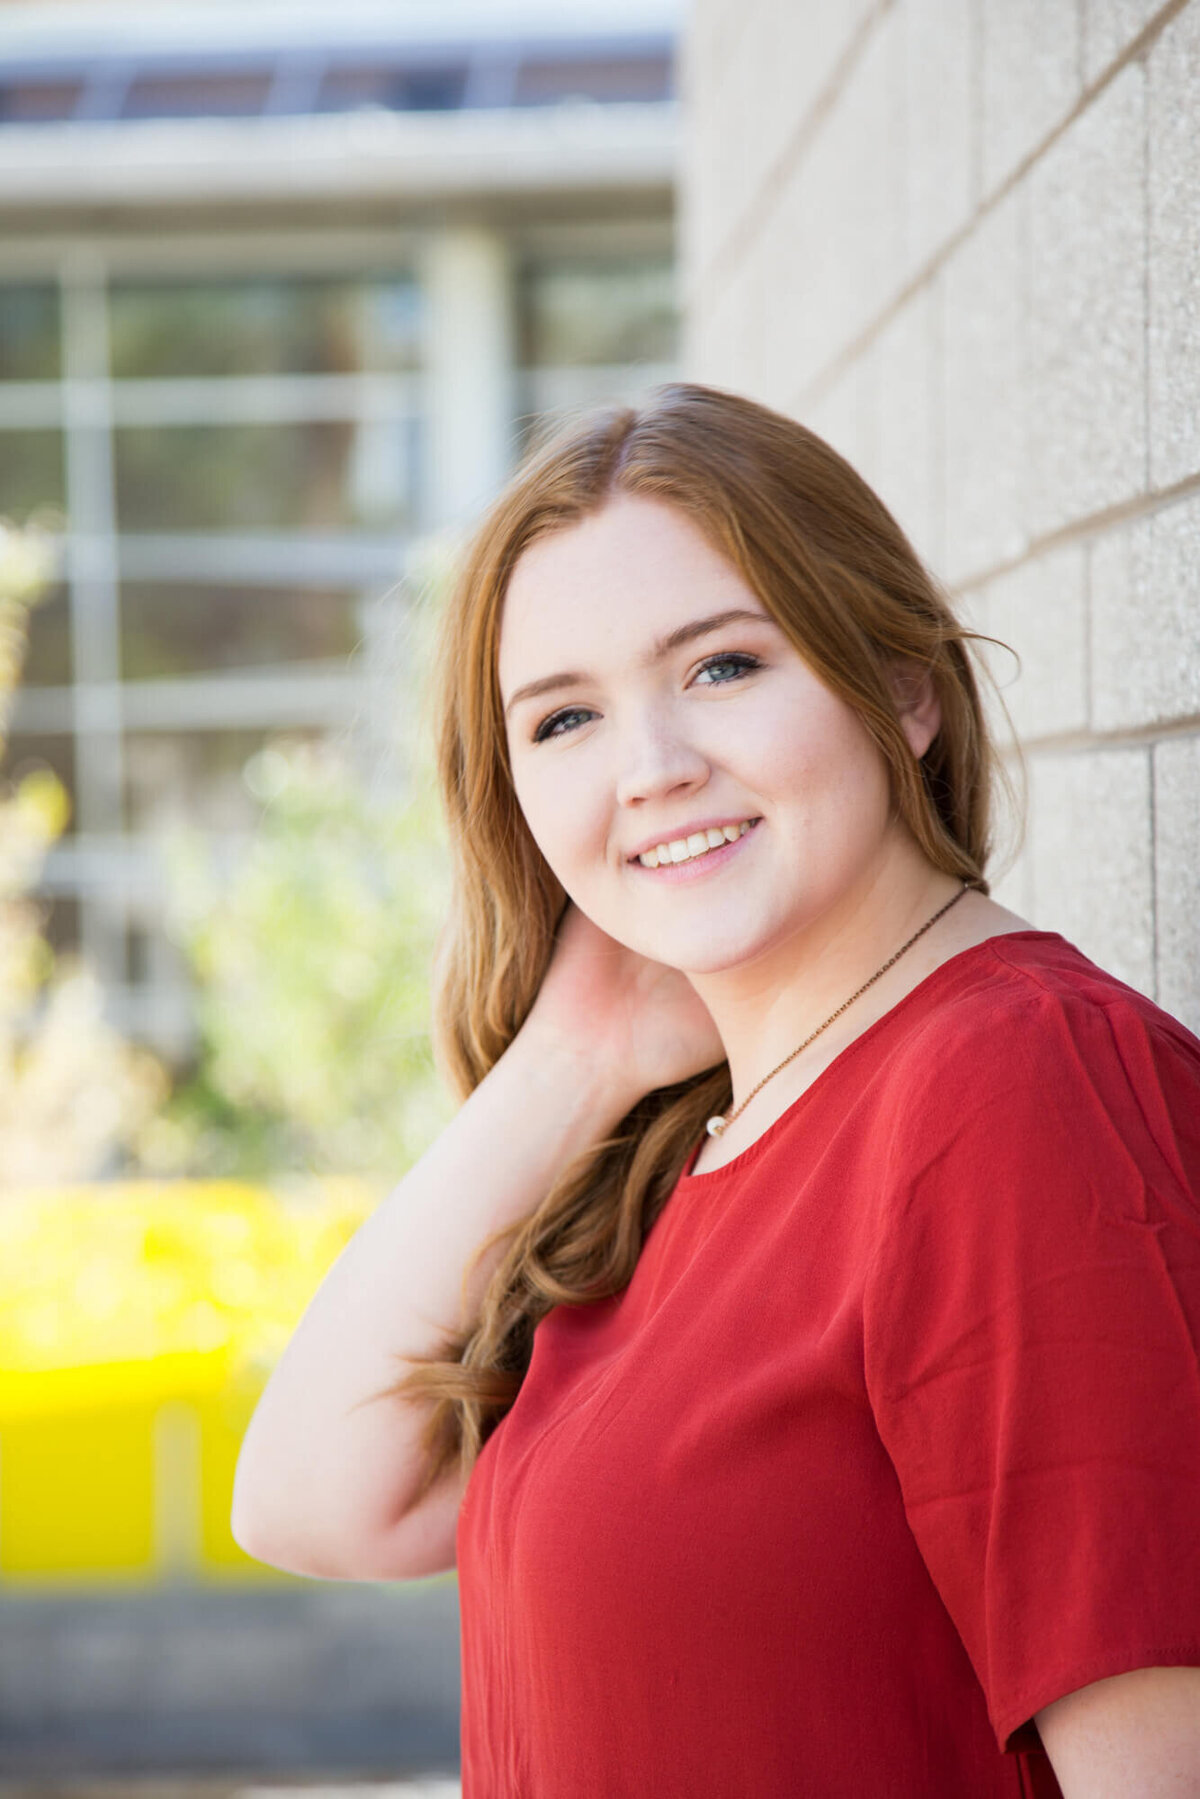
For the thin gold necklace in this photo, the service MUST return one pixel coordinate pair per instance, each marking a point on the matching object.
(722, 1121)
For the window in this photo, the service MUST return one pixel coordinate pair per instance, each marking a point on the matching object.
(228, 93)
(246, 482)
(183, 629)
(194, 776)
(395, 89)
(593, 312)
(550, 81)
(31, 472)
(33, 102)
(48, 648)
(264, 327)
(248, 478)
(29, 334)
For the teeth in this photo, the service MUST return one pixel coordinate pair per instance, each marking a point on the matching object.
(684, 849)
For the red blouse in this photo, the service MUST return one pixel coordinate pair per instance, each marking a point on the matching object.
(893, 1438)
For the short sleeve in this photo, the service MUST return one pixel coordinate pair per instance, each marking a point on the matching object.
(1032, 1331)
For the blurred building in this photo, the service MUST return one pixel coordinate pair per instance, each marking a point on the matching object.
(283, 290)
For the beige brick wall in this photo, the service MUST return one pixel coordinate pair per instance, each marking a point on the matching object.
(961, 239)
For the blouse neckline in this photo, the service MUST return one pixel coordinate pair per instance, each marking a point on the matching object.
(921, 991)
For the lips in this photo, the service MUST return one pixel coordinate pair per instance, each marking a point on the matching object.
(694, 844)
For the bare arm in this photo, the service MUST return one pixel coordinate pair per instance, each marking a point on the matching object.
(325, 1484)
(1138, 1733)
(323, 1488)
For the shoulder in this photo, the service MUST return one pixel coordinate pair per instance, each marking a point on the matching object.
(1029, 1015)
(1033, 1071)
(998, 984)
(1042, 1176)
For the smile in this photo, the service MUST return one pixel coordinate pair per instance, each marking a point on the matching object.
(700, 843)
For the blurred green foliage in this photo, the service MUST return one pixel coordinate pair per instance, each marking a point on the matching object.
(312, 958)
(73, 1094)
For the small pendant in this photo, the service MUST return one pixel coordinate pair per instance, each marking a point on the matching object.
(715, 1126)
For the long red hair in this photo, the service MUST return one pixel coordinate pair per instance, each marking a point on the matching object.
(831, 565)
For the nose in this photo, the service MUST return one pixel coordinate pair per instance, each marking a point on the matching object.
(657, 761)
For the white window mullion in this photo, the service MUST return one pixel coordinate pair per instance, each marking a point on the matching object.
(262, 399)
(91, 564)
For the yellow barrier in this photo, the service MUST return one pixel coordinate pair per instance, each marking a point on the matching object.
(137, 1325)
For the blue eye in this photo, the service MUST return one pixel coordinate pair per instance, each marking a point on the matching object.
(561, 723)
(549, 727)
(737, 660)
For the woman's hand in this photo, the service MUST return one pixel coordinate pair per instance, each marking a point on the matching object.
(638, 1021)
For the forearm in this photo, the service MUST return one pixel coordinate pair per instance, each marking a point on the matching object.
(320, 1474)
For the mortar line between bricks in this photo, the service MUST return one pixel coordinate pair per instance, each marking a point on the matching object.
(1152, 779)
(1095, 524)
(975, 83)
(1127, 737)
(833, 370)
(731, 252)
(1089, 656)
(1147, 191)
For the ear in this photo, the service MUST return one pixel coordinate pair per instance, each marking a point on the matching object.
(917, 703)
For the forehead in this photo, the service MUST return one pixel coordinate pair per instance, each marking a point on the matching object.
(618, 579)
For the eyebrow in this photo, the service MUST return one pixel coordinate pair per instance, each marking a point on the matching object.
(699, 627)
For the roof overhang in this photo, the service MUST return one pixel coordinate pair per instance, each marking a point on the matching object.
(148, 27)
(360, 156)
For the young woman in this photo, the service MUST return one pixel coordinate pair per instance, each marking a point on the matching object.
(798, 1320)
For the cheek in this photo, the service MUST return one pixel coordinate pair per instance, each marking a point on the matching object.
(821, 759)
(860, 785)
(558, 816)
(791, 750)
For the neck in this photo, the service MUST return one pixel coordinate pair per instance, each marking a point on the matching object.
(764, 1008)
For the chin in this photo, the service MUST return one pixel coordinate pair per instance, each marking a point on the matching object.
(703, 954)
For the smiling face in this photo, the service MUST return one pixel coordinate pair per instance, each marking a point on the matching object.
(698, 791)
